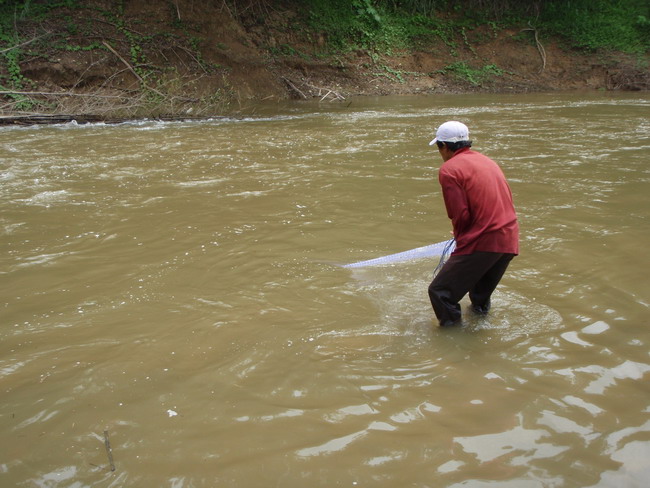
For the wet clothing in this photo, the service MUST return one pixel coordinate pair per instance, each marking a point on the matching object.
(479, 203)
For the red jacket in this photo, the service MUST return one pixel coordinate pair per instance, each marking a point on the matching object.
(479, 204)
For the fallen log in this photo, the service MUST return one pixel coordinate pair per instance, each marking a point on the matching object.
(42, 119)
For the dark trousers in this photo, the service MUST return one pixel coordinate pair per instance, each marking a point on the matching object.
(478, 273)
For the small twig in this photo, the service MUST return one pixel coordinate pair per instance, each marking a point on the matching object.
(126, 63)
(108, 80)
(224, 5)
(109, 451)
(23, 43)
(94, 63)
(173, 48)
(335, 94)
(191, 55)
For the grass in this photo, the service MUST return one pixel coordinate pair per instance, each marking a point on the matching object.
(474, 76)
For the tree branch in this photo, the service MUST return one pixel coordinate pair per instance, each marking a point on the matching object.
(131, 69)
(540, 48)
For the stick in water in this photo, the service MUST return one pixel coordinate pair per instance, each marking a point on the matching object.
(109, 451)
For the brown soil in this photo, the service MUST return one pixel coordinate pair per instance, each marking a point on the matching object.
(198, 56)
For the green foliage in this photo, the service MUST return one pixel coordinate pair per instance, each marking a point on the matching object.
(77, 48)
(11, 58)
(15, 77)
(12, 46)
(349, 24)
(474, 76)
(364, 24)
(642, 25)
(383, 25)
(287, 50)
(395, 74)
(20, 102)
(595, 24)
(11, 10)
(375, 27)
(417, 7)
(365, 8)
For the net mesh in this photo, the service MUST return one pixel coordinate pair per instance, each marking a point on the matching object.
(442, 249)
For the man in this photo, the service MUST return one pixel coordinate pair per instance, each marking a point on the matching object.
(479, 204)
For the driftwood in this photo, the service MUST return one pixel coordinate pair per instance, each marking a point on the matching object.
(42, 119)
(320, 92)
(328, 92)
(294, 88)
(45, 119)
(109, 451)
(57, 94)
(628, 77)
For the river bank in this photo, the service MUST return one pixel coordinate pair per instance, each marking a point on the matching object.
(203, 59)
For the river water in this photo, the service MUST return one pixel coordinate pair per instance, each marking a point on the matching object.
(175, 289)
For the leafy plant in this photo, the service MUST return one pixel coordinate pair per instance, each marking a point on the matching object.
(395, 74)
(472, 75)
(595, 24)
(368, 25)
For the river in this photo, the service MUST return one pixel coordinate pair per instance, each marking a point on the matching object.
(175, 313)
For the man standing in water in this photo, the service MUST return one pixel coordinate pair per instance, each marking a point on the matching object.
(479, 204)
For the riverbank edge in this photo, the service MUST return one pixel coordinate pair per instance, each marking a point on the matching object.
(215, 64)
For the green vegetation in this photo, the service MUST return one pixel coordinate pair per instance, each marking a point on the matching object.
(32, 30)
(474, 76)
(47, 30)
(360, 24)
(622, 25)
(384, 27)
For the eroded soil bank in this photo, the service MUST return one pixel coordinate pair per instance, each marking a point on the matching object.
(189, 58)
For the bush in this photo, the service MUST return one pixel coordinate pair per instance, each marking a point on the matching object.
(364, 24)
(595, 24)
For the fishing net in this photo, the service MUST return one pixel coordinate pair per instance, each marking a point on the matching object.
(442, 249)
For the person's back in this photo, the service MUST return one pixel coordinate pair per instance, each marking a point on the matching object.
(479, 203)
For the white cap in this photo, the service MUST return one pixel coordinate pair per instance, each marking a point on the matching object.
(451, 131)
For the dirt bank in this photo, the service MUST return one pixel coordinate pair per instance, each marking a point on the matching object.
(201, 58)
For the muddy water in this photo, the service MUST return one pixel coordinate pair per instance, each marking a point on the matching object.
(177, 286)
